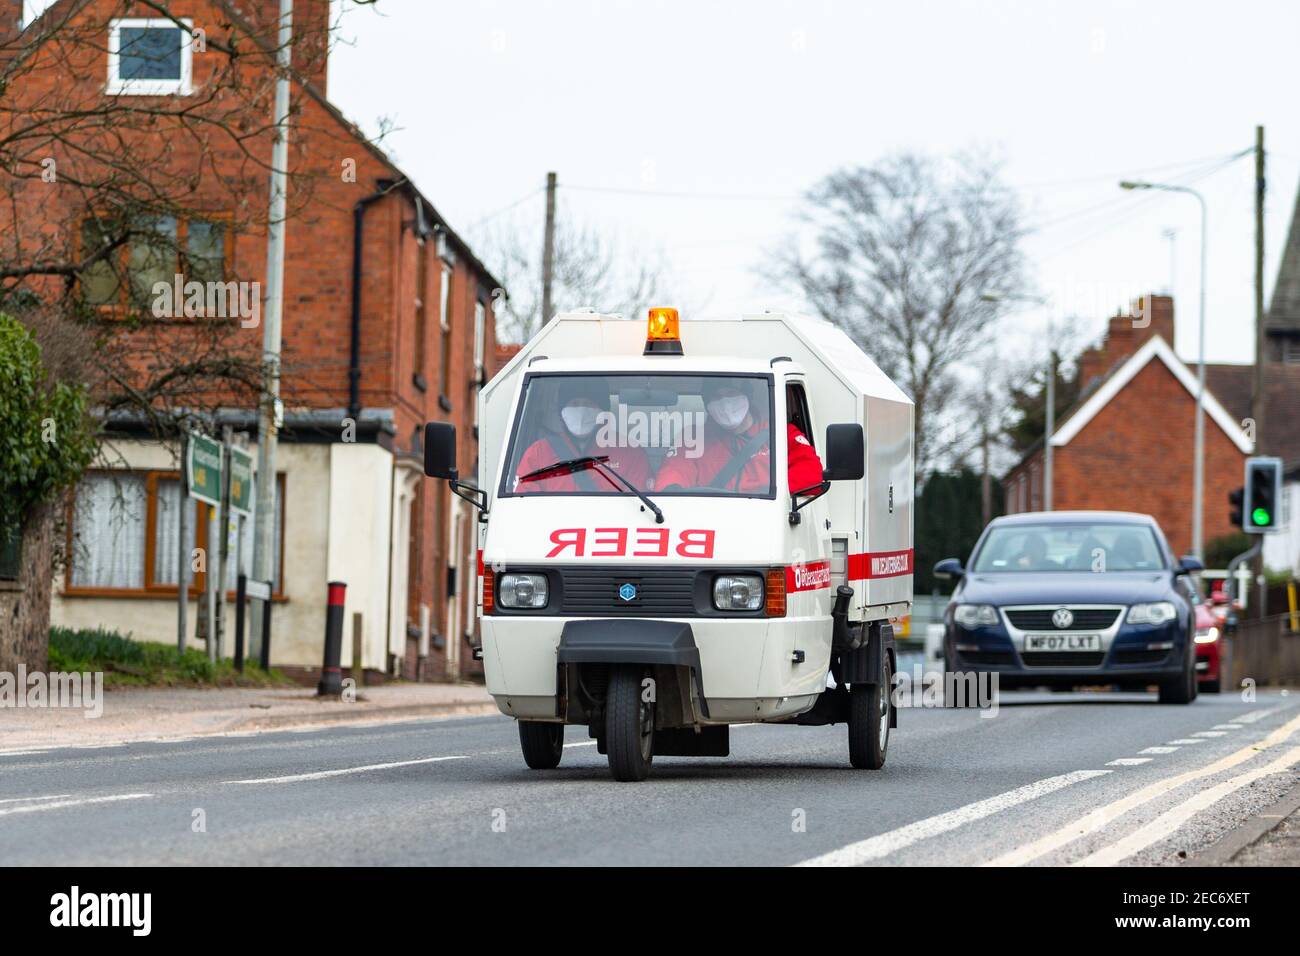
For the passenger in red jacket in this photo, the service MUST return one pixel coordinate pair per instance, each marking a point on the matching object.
(734, 429)
(572, 434)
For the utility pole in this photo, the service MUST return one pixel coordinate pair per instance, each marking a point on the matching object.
(268, 411)
(1050, 429)
(182, 552)
(548, 249)
(1257, 391)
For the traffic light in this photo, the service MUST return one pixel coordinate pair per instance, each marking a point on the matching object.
(1263, 495)
(1236, 499)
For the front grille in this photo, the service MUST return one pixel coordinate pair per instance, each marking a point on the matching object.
(1085, 619)
(1063, 658)
(987, 658)
(666, 592)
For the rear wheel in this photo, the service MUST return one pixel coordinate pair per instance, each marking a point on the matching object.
(542, 743)
(629, 724)
(869, 721)
(1182, 689)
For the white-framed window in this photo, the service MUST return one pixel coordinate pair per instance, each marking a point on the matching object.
(149, 56)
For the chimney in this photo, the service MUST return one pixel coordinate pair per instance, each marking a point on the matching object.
(1125, 334)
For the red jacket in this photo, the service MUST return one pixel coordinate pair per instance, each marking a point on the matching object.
(805, 468)
(629, 462)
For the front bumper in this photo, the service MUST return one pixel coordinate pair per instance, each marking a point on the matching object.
(1130, 654)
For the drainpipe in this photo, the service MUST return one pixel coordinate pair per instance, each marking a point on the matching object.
(354, 354)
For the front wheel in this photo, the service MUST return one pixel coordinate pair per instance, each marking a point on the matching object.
(542, 743)
(629, 724)
(1182, 689)
(869, 721)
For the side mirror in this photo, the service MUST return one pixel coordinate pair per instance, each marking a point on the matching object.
(845, 455)
(949, 568)
(440, 450)
(1189, 564)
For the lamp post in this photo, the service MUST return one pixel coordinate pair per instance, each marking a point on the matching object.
(1198, 467)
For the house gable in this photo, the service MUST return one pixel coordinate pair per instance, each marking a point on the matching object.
(1154, 348)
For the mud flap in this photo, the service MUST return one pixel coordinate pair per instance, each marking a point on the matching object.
(633, 641)
(866, 664)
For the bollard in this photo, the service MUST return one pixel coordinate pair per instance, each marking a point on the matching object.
(331, 677)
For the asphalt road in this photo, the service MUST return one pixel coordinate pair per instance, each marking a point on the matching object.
(1052, 778)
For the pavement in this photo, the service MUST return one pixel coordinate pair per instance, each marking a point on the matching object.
(1088, 779)
(147, 713)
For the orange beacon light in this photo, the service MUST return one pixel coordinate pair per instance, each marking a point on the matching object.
(663, 334)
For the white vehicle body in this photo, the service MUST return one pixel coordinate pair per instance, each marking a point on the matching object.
(727, 667)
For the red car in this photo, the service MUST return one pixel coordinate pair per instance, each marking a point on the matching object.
(1213, 645)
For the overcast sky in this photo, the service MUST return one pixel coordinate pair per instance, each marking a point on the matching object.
(757, 100)
(713, 117)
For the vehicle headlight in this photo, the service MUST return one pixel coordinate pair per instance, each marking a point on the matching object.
(1207, 635)
(1157, 612)
(738, 592)
(522, 590)
(971, 616)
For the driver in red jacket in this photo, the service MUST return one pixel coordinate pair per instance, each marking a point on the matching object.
(735, 449)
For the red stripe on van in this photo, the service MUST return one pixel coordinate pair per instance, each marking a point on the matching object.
(879, 564)
(808, 577)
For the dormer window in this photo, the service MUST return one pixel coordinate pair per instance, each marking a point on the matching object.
(149, 57)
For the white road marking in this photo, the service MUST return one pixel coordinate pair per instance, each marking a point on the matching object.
(1169, 821)
(1185, 741)
(1158, 750)
(1128, 761)
(873, 848)
(56, 796)
(585, 743)
(1226, 727)
(21, 753)
(60, 804)
(322, 774)
(1210, 733)
(1100, 817)
(1255, 715)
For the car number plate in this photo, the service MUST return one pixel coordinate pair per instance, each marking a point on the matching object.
(1062, 642)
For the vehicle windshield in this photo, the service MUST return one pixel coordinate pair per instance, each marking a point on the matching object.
(669, 435)
(1069, 547)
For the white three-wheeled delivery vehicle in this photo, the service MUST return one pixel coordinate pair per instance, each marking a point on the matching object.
(646, 569)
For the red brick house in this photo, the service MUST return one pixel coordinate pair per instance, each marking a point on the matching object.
(413, 341)
(1127, 444)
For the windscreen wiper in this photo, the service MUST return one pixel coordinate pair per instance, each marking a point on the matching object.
(569, 466)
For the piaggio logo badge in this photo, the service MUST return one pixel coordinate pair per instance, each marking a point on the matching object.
(627, 592)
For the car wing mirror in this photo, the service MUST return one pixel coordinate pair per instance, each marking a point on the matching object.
(1189, 564)
(949, 568)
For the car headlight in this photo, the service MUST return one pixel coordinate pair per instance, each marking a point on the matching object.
(522, 590)
(1207, 635)
(738, 592)
(971, 616)
(1157, 612)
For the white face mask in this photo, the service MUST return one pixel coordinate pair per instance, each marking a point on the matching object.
(730, 411)
(580, 420)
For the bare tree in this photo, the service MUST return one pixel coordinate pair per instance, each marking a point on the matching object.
(591, 267)
(912, 257)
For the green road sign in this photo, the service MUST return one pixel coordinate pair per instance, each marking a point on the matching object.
(203, 469)
(241, 482)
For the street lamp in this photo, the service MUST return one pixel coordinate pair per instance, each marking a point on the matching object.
(1198, 469)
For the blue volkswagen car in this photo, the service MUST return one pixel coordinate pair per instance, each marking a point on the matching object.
(1066, 598)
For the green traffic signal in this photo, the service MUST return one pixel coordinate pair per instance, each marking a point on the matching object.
(1260, 517)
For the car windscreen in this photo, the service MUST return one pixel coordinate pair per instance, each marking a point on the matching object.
(704, 435)
(1075, 546)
